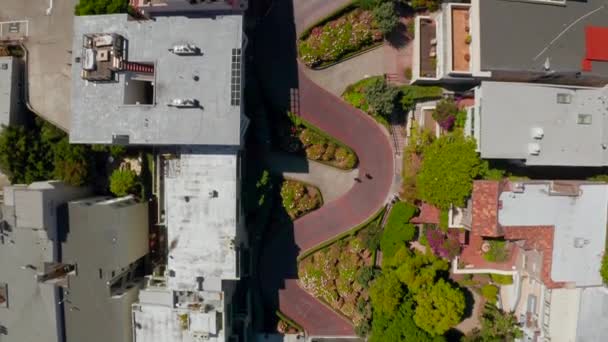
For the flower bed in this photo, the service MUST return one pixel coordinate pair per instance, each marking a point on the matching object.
(445, 245)
(339, 275)
(352, 32)
(299, 198)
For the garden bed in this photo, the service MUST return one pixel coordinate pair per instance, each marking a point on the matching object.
(339, 275)
(350, 30)
(299, 198)
(354, 94)
(300, 135)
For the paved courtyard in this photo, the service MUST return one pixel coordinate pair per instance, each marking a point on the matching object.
(48, 43)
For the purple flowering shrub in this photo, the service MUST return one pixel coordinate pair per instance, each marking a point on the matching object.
(445, 245)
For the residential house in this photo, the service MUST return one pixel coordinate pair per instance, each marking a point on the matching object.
(174, 7)
(548, 41)
(34, 218)
(540, 124)
(554, 235)
(105, 246)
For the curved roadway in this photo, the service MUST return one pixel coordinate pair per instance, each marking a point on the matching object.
(375, 153)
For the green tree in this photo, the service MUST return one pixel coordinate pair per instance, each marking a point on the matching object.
(92, 7)
(496, 325)
(439, 309)
(15, 144)
(399, 327)
(398, 230)
(604, 268)
(72, 162)
(381, 97)
(489, 292)
(386, 17)
(449, 166)
(123, 182)
(386, 294)
(418, 271)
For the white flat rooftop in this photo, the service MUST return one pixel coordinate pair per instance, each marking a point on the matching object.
(201, 219)
(580, 227)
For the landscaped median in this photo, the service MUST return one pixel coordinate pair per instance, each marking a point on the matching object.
(376, 97)
(299, 198)
(350, 30)
(299, 135)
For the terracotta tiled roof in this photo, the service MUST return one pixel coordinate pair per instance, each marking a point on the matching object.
(472, 256)
(428, 214)
(485, 208)
(539, 238)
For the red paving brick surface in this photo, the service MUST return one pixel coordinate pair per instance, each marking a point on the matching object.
(375, 153)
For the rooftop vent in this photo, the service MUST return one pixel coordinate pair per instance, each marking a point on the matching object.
(538, 133)
(580, 242)
(185, 49)
(518, 187)
(183, 103)
(534, 149)
(212, 194)
(564, 98)
(584, 119)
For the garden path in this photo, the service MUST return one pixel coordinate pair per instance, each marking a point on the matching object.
(472, 322)
(336, 78)
(332, 182)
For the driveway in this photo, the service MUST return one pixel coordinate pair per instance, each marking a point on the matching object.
(48, 45)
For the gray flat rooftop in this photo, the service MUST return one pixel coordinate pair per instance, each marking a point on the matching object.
(201, 219)
(98, 109)
(580, 227)
(593, 315)
(6, 87)
(511, 111)
(520, 35)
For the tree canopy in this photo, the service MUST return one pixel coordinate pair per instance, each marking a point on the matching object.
(398, 230)
(439, 308)
(91, 7)
(386, 17)
(381, 97)
(123, 182)
(449, 166)
(496, 325)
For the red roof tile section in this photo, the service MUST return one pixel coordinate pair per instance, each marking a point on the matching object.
(472, 256)
(596, 43)
(485, 209)
(428, 214)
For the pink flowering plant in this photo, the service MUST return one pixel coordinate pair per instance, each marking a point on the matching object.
(445, 245)
(352, 32)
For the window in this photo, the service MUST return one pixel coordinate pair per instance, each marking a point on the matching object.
(235, 80)
(564, 98)
(584, 119)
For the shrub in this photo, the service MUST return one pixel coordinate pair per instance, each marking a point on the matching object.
(71, 162)
(365, 276)
(468, 39)
(398, 230)
(449, 166)
(494, 174)
(444, 217)
(445, 245)
(381, 97)
(490, 293)
(439, 308)
(445, 113)
(604, 268)
(408, 73)
(309, 137)
(315, 152)
(90, 7)
(330, 152)
(461, 118)
(298, 199)
(498, 251)
(123, 182)
(496, 325)
(431, 5)
(501, 279)
(386, 17)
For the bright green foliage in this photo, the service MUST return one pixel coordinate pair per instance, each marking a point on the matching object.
(418, 271)
(431, 5)
(449, 166)
(349, 33)
(71, 162)
(386, 293)
(400, 326)
(501, 279)
(604, 268)
(490, 293)
(365, 275)
(461, 118)
(599, 178)
(445, 111)
(123, 182)
(440, 308)
(496, 325)
(367, 4)
(263, 187)
(413, 93)
(91, 7)
(498, 251)
(444, 217)
(386, 17)
(494, 174)
(299, 199)
(381, 97)
(398, 230)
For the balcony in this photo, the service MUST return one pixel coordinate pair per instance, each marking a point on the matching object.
(461, 39)
(428, 48)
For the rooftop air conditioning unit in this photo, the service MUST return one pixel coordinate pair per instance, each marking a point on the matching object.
(105, 40)
(538, 133)
(183, 103)
(518, 187)
(185, 49)
(534, 149)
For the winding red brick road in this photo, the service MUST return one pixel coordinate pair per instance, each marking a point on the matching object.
(374, 149)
